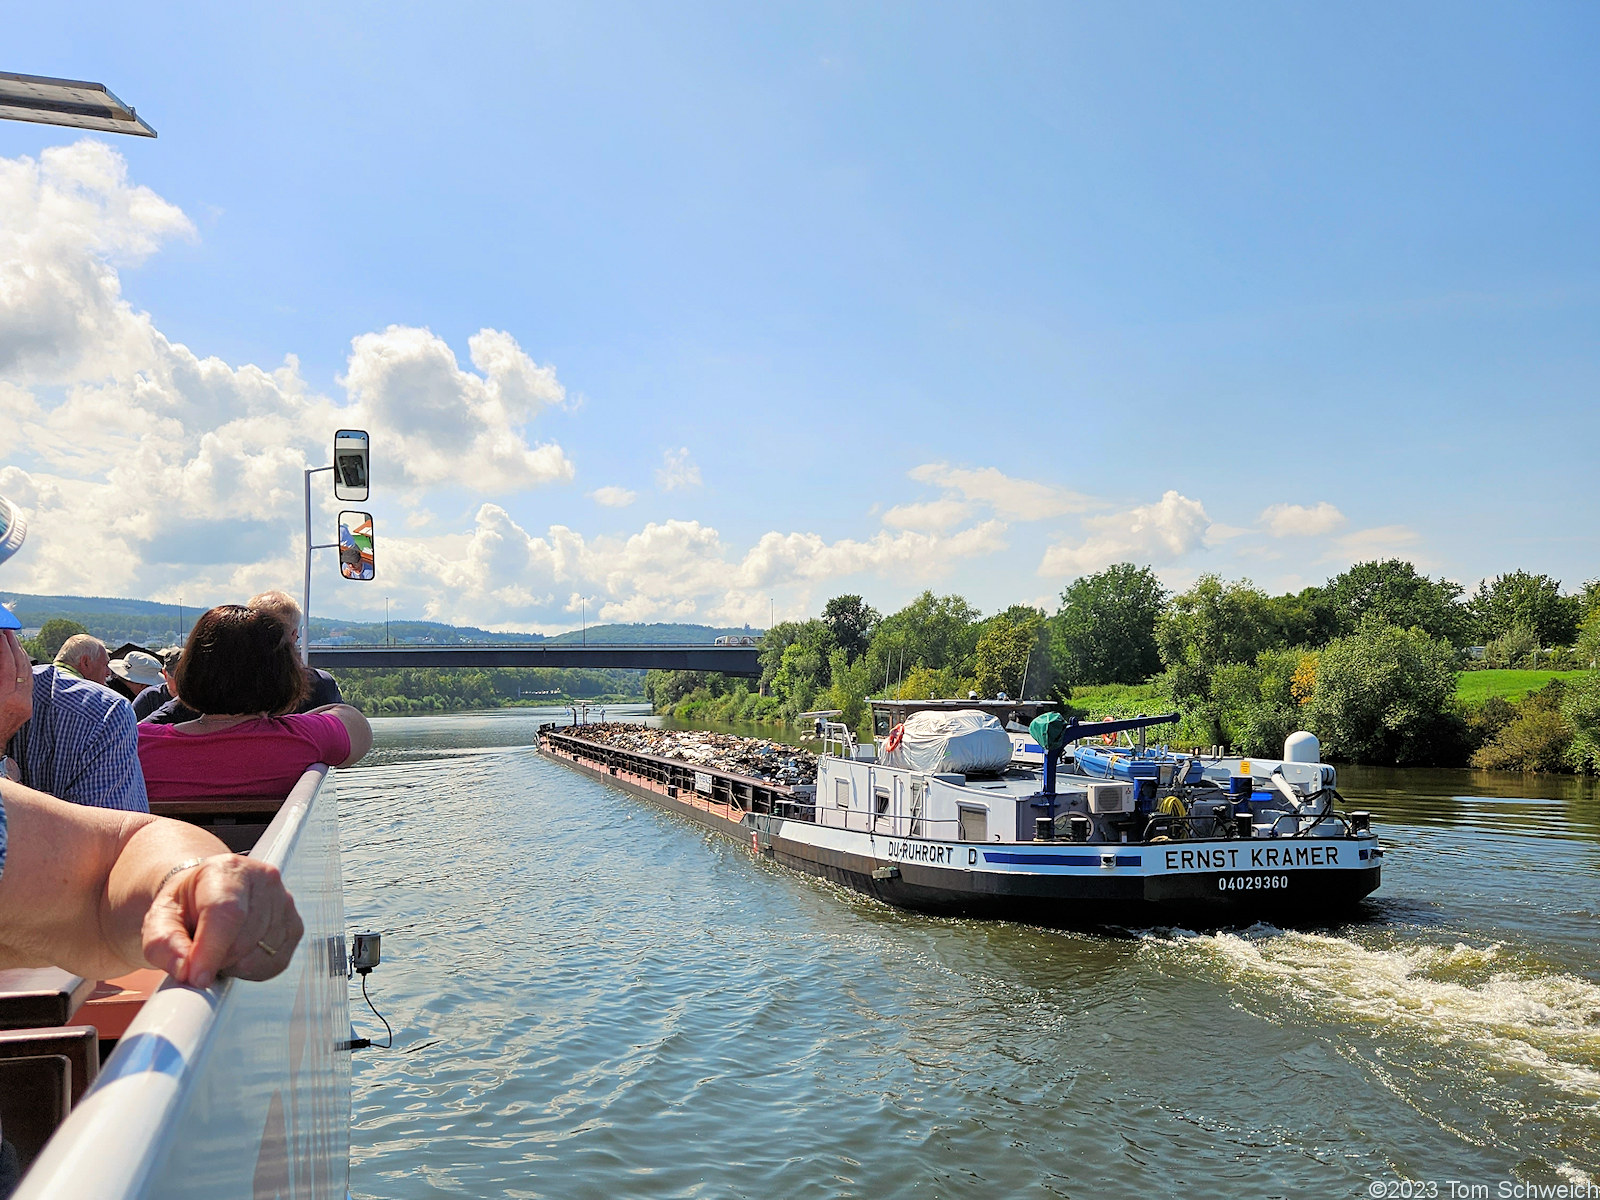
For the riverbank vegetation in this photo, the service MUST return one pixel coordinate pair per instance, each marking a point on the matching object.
(1383, 663)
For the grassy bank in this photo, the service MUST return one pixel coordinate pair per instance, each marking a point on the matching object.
(1123, 699)
(1474, 687)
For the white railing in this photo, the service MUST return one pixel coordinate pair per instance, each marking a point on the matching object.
(242, 1089)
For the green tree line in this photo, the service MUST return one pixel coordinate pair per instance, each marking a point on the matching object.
(379, 691)
(1368, 661)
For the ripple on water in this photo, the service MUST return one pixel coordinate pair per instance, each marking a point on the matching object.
(602, 1000)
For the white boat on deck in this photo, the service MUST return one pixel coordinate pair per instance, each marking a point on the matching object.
(239, 1090)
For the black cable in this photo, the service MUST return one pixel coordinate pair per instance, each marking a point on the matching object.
(390, 1043)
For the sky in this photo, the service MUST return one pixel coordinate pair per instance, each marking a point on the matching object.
(711, 312)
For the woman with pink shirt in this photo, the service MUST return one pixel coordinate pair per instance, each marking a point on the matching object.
(241, 672)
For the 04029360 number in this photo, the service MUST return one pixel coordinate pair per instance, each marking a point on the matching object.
(1252, 883)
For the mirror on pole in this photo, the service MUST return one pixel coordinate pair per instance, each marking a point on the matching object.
(355, 545)
(350, 474)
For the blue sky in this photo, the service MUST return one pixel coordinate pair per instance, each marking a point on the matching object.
(968, 297)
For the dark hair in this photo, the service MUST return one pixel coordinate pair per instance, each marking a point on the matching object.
(239, 660)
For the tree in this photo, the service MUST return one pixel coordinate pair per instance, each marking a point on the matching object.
(1260, 704)
(1305, 618)
(1589, 600)
(1011, 652)
(1217, 623)
(851, 621)
(1523, 599)
(1105, 629)
(1588, 643)
(848, 691)
(665, 688)
(52, 635)
(1393, 593)
(803, 671)
(1384, 695)
(938, 632)
(1580, 708)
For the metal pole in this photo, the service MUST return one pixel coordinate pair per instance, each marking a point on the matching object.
(305, 600)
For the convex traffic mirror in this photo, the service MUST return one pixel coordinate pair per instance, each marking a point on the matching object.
(355, 545)
(350, 474)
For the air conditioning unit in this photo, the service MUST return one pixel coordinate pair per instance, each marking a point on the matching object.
(1106, 798)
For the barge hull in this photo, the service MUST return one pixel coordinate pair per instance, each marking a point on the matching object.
(757, 814)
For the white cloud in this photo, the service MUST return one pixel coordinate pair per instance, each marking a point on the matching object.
(1155, 533)
(1362, 545)
(677, 470)
(70, 218)
(1296, 520)
(611, 496)
(669, 570)
(148, 470)
(446, 425)
(141, 462)
(1009, 498)
(935, 515)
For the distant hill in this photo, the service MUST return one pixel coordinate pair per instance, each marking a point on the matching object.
(115, 620)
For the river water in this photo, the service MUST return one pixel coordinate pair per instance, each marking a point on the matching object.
(593, 998)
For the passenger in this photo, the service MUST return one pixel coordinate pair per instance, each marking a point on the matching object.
(73, 739)
(321, 688)
(134, 673)
(153, 698)
(84, 656)
(240, 672)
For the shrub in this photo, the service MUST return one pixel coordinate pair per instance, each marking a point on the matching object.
(1516, 647)
(1538, 740)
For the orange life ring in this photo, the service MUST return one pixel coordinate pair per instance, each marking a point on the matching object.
(896, 736)
(1109, 739)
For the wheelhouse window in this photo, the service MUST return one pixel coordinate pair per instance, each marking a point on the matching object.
(841, 792)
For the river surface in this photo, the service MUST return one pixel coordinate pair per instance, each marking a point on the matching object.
(593, 998)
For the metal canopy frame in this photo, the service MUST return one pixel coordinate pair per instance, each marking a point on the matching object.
(73, 102)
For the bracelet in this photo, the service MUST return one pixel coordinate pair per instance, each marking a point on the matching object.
(183, 866)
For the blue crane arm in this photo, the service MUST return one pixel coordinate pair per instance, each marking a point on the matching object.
(1077, 729)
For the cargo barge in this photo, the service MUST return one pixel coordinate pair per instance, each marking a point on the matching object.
(1024, 841)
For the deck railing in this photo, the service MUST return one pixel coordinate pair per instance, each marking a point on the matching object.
(243, 1088)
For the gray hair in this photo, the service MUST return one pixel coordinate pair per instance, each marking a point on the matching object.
(80, 646)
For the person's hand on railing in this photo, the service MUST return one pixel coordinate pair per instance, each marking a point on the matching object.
(226, 914)
(101, 892)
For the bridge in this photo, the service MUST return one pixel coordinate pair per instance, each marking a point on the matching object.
(729, 660)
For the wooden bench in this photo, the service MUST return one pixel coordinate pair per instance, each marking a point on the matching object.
(238, 820)
(43, 1073)
(38, 997)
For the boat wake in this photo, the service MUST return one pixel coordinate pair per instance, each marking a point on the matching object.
(1458, 995)
(1415, 1014)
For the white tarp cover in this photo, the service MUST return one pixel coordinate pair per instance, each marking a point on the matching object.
(966, 741)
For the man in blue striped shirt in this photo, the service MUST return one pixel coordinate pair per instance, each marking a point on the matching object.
(79, 742)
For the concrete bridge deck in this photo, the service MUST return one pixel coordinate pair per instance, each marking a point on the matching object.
(729, 660)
